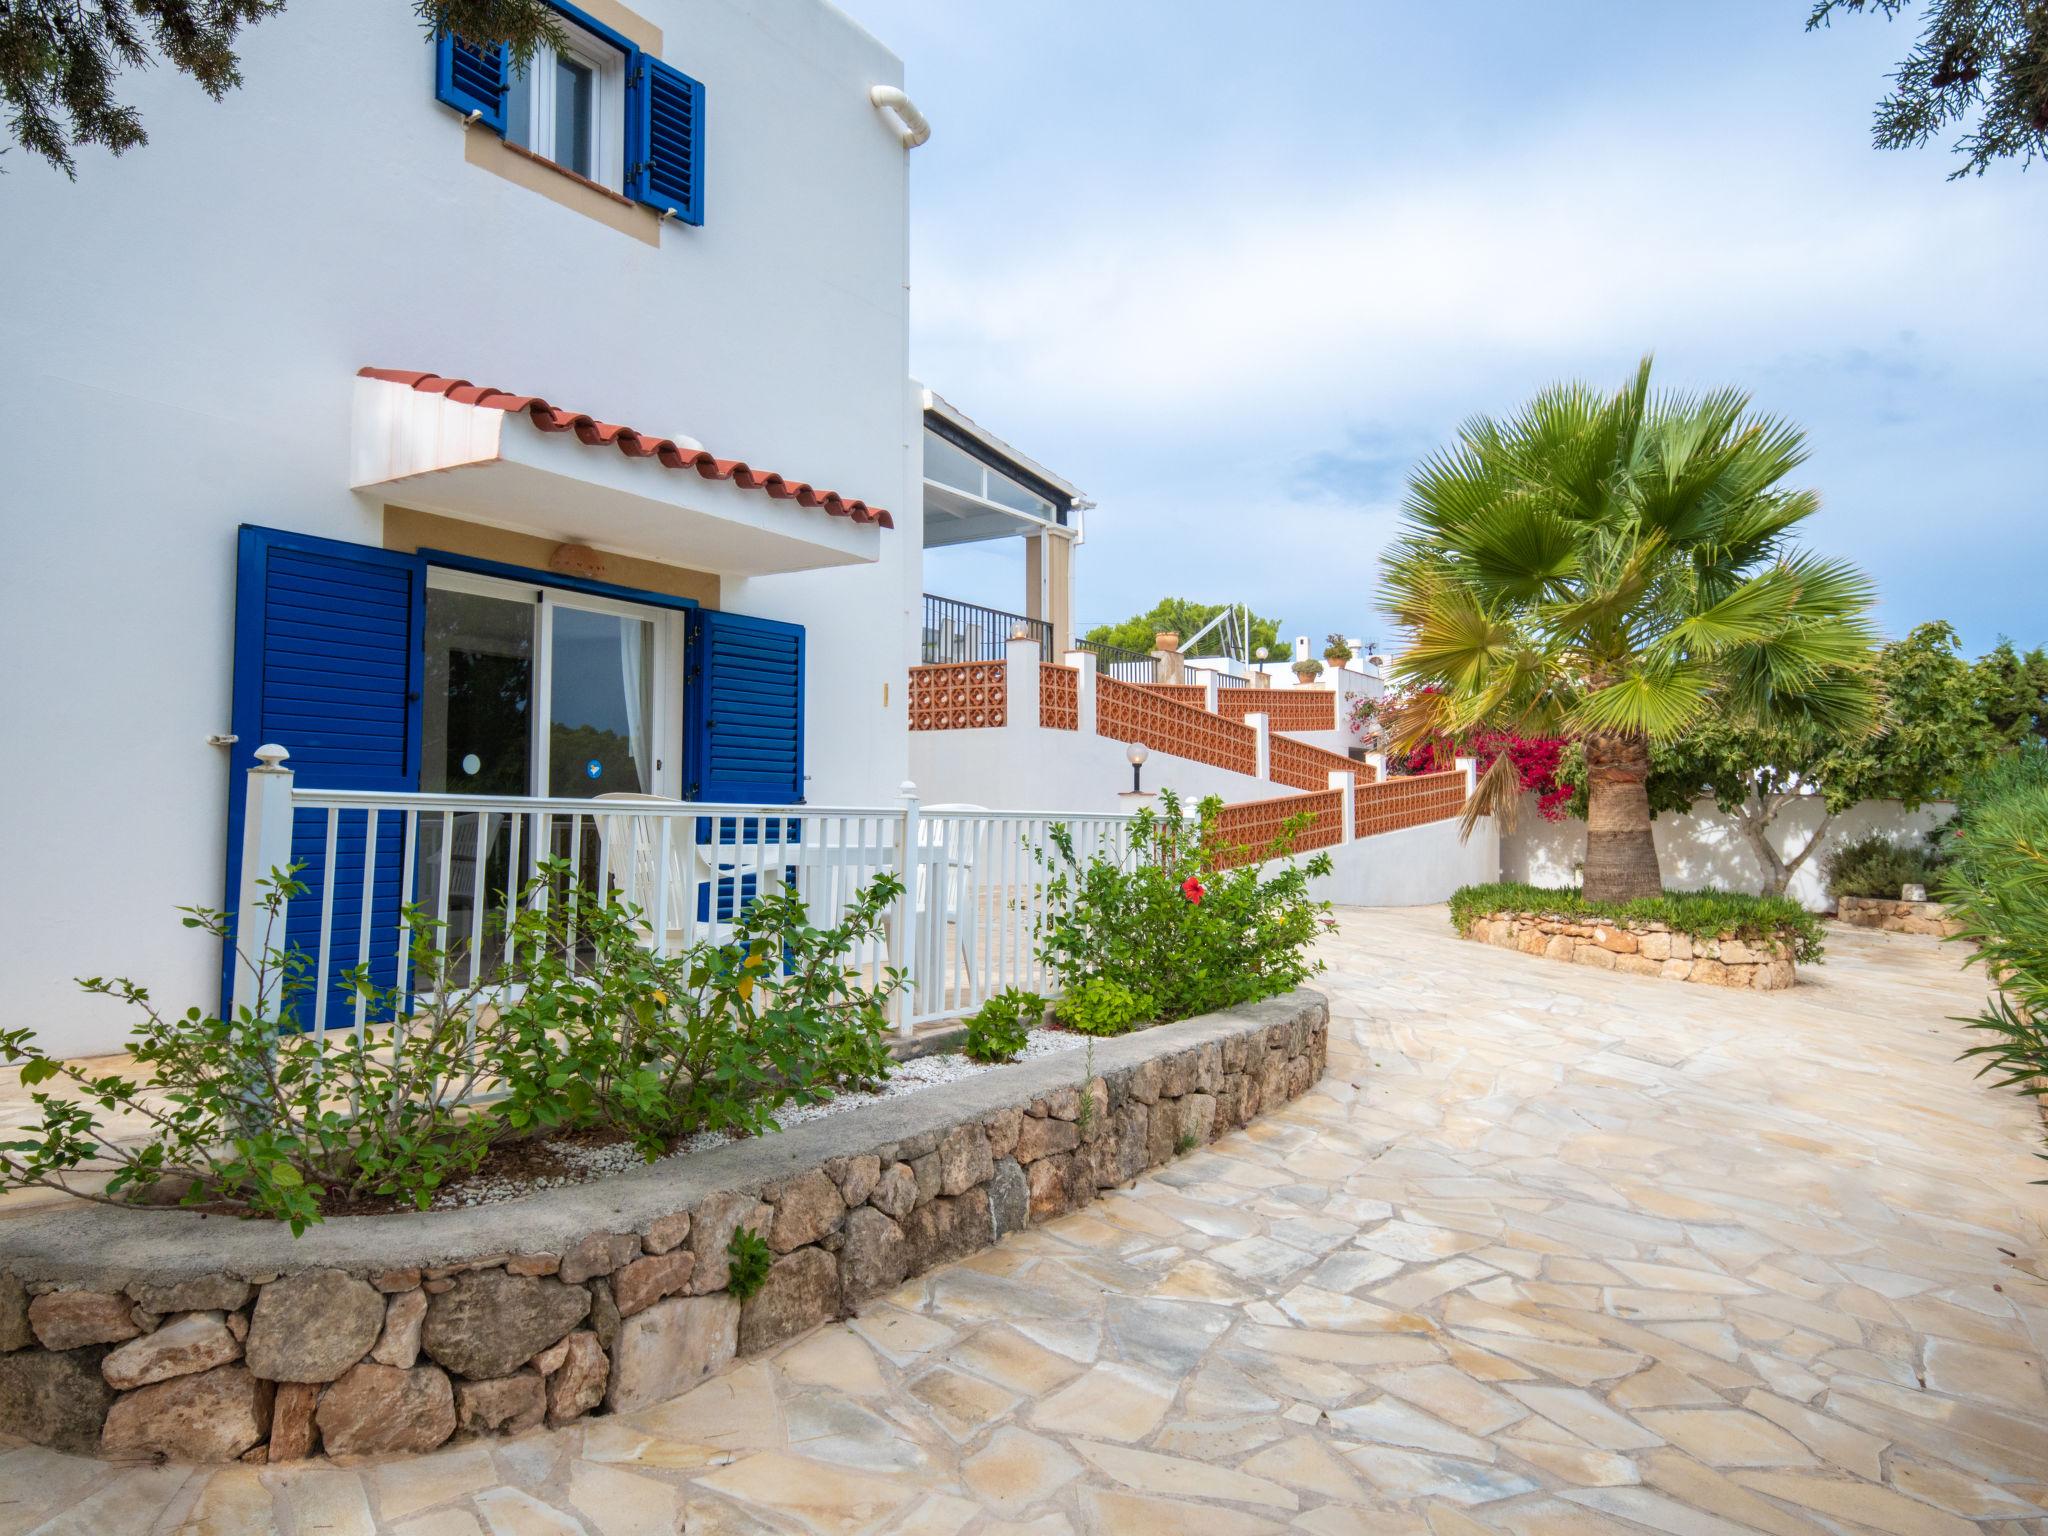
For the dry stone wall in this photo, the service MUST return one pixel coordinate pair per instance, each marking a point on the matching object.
(1897, 916)
(1641, 949)
(369, 1356)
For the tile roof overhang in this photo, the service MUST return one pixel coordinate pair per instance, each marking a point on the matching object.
(443, 444)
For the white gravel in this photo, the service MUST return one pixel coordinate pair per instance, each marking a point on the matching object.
(589, 1163)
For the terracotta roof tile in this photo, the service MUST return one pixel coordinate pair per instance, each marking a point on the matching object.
(635, 445)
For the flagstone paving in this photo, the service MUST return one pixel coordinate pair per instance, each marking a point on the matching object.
(1550, 1250)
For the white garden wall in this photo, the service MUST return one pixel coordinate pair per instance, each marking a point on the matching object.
(1410, 868)
(1039, 770)
(1706, 848)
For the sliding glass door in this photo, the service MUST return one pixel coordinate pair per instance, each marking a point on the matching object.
(534, 691)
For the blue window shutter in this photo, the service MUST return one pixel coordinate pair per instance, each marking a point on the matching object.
(471, 79)
(328, 664)
(665, 138)
(744, 707)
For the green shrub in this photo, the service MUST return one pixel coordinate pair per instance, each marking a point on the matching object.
(242, 1111)
(1201, 937)
(2008, 774)
(1703, 914)
(1877, 866)
(1099, 1006)
(1996, 886)
(608, 1035)
(261, 1116)
(751, 1260)
(1001, 1027)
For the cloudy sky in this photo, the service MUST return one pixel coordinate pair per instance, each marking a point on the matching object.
(1232, 269)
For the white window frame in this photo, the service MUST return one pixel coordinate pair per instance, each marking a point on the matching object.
(989, 475)
(607, 106)
(665, 725)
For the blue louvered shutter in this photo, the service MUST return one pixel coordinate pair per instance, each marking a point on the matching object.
(471, 79)
(665, 139)
(328, 663)
(744, 704)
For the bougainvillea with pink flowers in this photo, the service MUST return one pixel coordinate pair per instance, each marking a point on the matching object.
(1538, 760)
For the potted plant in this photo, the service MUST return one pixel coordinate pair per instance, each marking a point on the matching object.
(1336, 650)
(1307, 670)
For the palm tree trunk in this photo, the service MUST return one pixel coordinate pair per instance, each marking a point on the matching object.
(1621, 856)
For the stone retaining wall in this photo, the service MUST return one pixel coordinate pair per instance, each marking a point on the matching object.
(1897, 916)
(197, 1339)
(1641, 949)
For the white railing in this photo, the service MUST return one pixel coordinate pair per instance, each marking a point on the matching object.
(963, 929)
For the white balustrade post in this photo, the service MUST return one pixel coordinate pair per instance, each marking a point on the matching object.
(1083, 663)
(266, 846)
(1209, 687)
(1348, 783)
(1469, 766)
(1021, 675)
(1262, 745)
(903, 929)
(1377, 761)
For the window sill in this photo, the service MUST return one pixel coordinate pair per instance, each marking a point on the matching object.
(562, 170)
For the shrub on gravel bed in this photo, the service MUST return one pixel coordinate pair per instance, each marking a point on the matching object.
(582, 1028)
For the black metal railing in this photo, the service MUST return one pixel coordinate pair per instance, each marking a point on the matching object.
(1126, 666)
(957, 631)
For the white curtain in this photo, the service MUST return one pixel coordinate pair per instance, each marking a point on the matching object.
(634, 638)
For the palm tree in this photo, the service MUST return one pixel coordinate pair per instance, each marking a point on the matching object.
(1613, 568)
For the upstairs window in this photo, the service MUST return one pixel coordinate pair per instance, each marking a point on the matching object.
(569, 106)
(599, 106)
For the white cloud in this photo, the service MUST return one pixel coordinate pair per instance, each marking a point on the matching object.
(1339, 302)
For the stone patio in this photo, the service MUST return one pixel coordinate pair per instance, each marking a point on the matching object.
(1549, 1250)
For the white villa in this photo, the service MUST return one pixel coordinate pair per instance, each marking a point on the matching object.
(494, 440)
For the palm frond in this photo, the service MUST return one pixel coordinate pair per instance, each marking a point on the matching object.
(1654, 702)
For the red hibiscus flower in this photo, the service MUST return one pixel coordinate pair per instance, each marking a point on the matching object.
(1192, 889)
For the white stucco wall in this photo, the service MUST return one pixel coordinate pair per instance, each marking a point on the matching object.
(1412, 867)
(200, 308)
(1706, 849)
(1040, 770)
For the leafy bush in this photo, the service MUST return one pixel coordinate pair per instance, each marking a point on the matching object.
(751, 1260)
(1001, 1027)
(1099, 1006)
(1703, 914)
(1996, 886)
(1877, 866)
(2005, 776)
(1200, 936)
(607, 1035)
(254, 1114)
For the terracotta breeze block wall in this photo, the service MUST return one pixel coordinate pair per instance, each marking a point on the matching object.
(1131, 712)
(1641, 949)
(1194, 695)
(959, 696)
(358, 1360)
(1286, 709)
(1253, 824)
(1407, 802)
(1059, 698)
(1301, 766)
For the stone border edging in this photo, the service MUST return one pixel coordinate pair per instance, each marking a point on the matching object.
(168, 1335)
(1930, 917)
(1641, 949)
